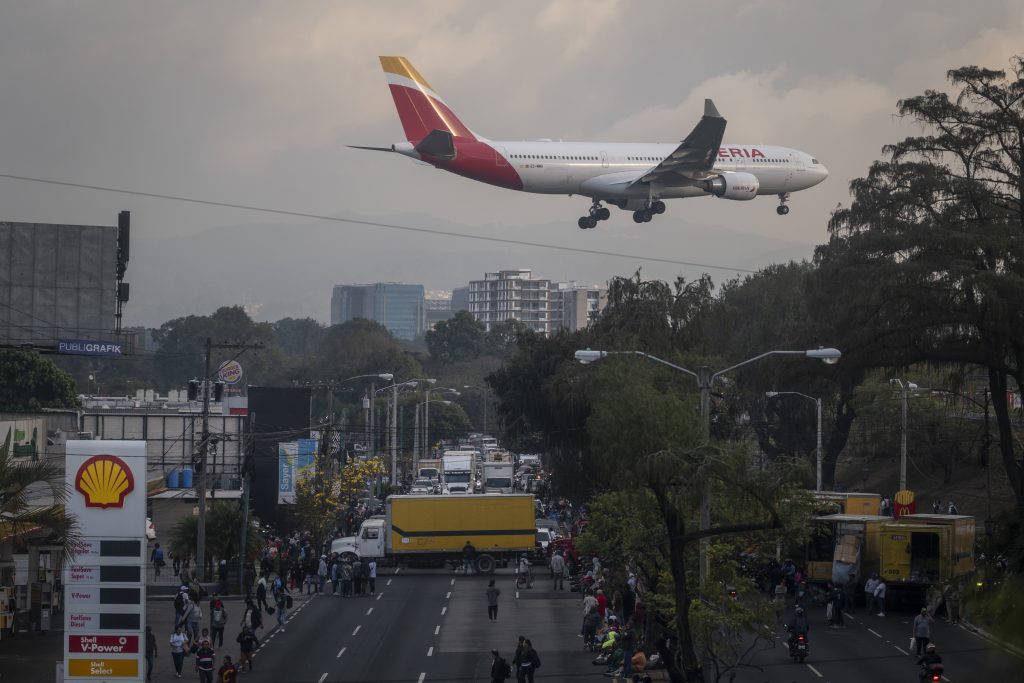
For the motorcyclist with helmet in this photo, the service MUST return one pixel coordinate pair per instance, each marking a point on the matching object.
(801, 626)
(930, 662)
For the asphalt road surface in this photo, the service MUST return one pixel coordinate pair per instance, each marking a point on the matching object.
(424, 625)
(873, 649)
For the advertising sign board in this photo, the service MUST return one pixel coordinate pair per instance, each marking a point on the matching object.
(104, 585)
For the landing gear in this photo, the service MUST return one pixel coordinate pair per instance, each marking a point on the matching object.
(643, 216)
(782, 209)
(597, 213)
(658, 206)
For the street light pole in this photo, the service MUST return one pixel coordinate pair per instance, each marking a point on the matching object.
(817, 402)
(705, 380)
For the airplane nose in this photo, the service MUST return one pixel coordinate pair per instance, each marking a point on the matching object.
(821, 171)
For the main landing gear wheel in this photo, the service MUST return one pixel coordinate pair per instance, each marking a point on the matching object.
(587, 222)
(643, 216)
(602, 214)
(658, 206)
(782, 209)
(597, 213)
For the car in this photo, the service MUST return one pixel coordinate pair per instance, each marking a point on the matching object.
(422, 487)
(150, 530)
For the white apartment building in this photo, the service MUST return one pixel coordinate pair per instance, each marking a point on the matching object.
(545, 306)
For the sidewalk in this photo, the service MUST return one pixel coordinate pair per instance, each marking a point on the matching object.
(31, 657)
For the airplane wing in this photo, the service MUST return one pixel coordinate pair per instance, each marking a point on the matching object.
(694, 157)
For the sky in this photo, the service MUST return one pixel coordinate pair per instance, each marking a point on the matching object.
(253, 103)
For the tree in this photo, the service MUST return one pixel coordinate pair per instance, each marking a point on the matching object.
(29, 383)
(21, 487)
(321, 497)
(361, 347)
(299, 337)
(459, 338)
(223, 525)
(930, 254)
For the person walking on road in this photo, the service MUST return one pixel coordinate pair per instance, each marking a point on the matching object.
(150, 653)
(371, 575)
(228, 672)
(529, 662)
(261, 593)
(247, 642)
(281, 611)
(869, 592)
(205, 660)
(880, 597)
(468, 559)
(558, 570)
(346, 578)
(492, 600)
(499, 668)
(157, 558)
(179, 641)
(218, 619)
(922, 630)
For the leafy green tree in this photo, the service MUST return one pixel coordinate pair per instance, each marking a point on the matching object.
(29, 383)
(501, 340)
(361, 347)
(459, 338)
(930, 255)
(299, 337)
(21, 486)
(223, 525)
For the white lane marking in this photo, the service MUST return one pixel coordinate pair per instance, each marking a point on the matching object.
(901, 649)
(389, 582)
(340, 652)
(443, 610)
(816, 672)
(357, 629)
(437, 629)
(517, 595)
(369, 611)
(398, 569)
(453, 582)
(849, 616)
(944, 678)
(875, 632)
(422, 676)
(430, 651)
(323, 678)
(380, 595)
(448, 596)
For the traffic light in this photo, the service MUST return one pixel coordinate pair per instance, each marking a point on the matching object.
(218, 391)
(197, 463)
(193, 389)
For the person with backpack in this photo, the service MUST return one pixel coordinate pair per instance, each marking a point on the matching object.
(253, 616)
(261, 593)
(248, 642)
(218, 619)
(157, 558)
(500, 669)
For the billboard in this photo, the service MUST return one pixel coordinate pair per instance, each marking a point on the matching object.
(57, 282)
(28, 437)
(273, 410)
(294, 460)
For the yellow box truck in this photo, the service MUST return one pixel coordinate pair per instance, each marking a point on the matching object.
(436, 528)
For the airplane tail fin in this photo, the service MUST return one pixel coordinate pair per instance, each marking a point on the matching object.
(421, 110)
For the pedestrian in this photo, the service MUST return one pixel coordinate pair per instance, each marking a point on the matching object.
(492, 600)
(780, 599)
(179, 641)
(921, 631)
(205, 660)
(150, 653)
(520, 645)
(589, 607)
(157, 558)
(357, 576)
(346, 578)
(203, 639)
(627, 641)
(371, 575)
(951, 510)
(282, 612)
(194, 617)
(261, 592)
(500, 670)
(176, 562)
(558, 570)
(838, 601)
(468, 559)
(222, 581)
(247, 642)
(880, 597)
(218, 619)
(529, 662)
(228, 672)
(602, 604)
(321, 574)
(335, 575)
(953, 605)
(869, 592)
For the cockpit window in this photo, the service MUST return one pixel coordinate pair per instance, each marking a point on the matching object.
(814, 161)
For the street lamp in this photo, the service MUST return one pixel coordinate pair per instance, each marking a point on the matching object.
(484, 390)
(705, 379)
(905, 388)
(394, 419)
(817, 402)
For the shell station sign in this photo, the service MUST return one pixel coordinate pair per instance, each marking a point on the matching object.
(105, 582)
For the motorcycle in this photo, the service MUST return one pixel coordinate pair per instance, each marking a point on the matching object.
(798, 648)
(931, 673)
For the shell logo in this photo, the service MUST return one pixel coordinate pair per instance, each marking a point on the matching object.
(104, 481)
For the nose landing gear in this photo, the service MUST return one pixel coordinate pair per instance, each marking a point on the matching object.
(782, 209)
(597, 213)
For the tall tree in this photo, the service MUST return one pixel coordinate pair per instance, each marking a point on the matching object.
(459, 338)
(930, 254)
(29, 383)
(299, 337)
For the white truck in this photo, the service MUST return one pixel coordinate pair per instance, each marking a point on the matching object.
(457, 470)
(498, 477)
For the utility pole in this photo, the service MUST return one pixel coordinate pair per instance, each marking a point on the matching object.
(247, 467)
(204, 445)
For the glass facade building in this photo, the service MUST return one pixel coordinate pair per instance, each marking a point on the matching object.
(401, 308)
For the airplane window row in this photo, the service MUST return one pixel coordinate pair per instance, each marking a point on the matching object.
(643, 158)
(543, 156)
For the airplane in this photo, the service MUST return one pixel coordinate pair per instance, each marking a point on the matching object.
(633, 176)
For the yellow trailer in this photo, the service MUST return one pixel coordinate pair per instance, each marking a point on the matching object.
(847, 502)
(436, 528)
(927, 549)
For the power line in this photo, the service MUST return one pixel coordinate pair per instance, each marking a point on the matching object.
(373, 224)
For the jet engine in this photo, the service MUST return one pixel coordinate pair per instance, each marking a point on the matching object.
(739, 186)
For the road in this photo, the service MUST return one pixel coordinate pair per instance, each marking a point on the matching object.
(874, 649)
(424, 625)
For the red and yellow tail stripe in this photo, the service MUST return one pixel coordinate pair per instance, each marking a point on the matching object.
(420, 109)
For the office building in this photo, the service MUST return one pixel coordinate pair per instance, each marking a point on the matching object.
(545, 306)
(399, 307)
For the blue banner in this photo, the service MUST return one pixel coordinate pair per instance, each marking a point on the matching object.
(89, 347)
